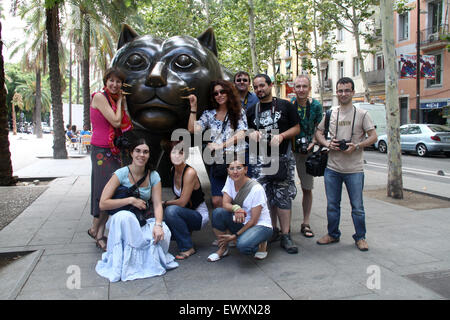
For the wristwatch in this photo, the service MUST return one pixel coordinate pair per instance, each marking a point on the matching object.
(158, 224)
(357, 146)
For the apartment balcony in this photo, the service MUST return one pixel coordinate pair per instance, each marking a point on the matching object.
(327, 86)
(375, 77)
(430, 38)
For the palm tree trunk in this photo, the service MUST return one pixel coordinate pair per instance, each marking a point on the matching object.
(85, 71)
(6, 177)
(38, 106)
(53, 38)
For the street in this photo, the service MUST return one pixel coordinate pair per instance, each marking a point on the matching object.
(412, 165)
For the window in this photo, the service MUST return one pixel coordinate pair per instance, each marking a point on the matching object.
(355, 66)
(341, 69)
(414, 130)
(288, 48)
(435, 16)
(379, 61)
(438, 67)
(340, 34)
(403, 26)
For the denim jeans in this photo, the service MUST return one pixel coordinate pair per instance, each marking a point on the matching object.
(181, 221)
(354, 183)
(247, 242)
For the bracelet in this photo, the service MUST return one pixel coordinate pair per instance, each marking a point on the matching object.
(235, 207)
(158, 224)
(194, 111)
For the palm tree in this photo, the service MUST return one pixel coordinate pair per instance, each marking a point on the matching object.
(53, 38)
(6, 177)
(34, 49)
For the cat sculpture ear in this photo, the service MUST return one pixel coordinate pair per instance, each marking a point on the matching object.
(208, 40)
(127, 34)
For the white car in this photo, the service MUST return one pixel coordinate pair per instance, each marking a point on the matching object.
(422, 139)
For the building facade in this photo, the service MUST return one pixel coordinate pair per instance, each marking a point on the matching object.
(434, 93)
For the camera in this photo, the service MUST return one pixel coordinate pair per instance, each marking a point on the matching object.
(343, 144)
(122, 142)
(302, 145)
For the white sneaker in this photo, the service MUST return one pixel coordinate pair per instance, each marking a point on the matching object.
(213, 257)
(260, 255)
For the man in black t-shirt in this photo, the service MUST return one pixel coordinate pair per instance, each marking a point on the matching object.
(278, 121)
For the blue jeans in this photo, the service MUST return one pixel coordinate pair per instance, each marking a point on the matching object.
(181, 221)
(247, 242)
(354, 183)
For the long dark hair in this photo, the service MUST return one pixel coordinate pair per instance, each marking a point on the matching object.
(233, 103)
(137, 142)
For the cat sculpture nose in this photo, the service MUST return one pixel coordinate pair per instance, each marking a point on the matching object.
(157, 77)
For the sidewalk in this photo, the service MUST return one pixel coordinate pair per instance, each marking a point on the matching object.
(408, 250)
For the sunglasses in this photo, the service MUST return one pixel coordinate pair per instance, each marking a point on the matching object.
(241, 80)
(222, 92)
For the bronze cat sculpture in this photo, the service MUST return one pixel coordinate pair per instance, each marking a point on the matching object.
(159, 76)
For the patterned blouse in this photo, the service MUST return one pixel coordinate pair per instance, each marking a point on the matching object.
(208, 121)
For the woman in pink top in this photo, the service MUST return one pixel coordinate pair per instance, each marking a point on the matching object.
(109, 120)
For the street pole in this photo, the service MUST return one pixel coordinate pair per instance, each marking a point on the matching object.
(418, 113)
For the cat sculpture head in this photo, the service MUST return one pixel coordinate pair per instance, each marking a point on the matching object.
(160, 74)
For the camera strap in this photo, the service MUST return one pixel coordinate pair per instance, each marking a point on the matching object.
(353, 123)
(308, 109)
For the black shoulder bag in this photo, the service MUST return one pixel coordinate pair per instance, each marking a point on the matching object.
(133, 191)
(317, 162)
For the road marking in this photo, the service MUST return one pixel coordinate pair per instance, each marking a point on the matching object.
(409, 170)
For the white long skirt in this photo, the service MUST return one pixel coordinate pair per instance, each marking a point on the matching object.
(131, 252)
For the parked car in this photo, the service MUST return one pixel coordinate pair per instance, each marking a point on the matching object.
(422, 139)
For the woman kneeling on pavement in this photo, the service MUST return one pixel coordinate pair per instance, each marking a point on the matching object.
(244, 213)
(188, 211)
(135, 251)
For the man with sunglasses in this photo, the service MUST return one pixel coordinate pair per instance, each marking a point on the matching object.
(348, 129)
(275, 123)
(242, 84)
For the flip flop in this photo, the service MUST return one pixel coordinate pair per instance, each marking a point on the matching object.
(184, 256)
(90, 234)
(105, 240)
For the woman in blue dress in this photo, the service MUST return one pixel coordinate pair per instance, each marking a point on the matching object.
(135, 252)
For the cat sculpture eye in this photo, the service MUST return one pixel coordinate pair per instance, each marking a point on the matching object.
(183, 61)
(136, 61)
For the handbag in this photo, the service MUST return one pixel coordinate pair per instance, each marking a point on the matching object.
(317, 162)
(133, 191)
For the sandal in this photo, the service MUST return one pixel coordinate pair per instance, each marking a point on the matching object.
(184, 255)
(99, 245)
(306, 231)
(90, 234)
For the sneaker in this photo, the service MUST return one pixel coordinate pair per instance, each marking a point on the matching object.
(287, 244)
(362, 245)
(276, 235)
